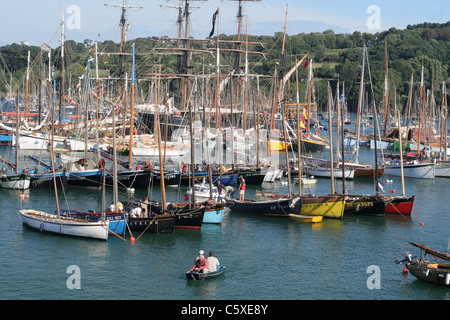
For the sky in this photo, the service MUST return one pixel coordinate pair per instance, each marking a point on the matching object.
(38, 21)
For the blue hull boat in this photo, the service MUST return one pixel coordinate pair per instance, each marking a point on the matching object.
(208, 275)
(213, 215)
(117, 221)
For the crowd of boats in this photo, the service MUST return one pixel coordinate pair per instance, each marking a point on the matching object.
(212, 151)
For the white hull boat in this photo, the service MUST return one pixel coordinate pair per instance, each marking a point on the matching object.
(322, 172)
(64, 225)
(20, 181)
(411, 170)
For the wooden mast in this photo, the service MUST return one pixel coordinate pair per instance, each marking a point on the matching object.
(331, 138)
(132, 108)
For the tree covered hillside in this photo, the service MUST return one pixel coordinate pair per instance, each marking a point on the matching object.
(426, 44)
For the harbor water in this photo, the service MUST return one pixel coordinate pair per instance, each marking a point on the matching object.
(266, 258)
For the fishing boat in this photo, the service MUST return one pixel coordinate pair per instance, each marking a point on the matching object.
(214, 213)
(325, 172)
(301, 218)
(155, 223)
(371, 205)
(45, 180)
(277, 207)
(193, 275)
(83, 173)
(399, 205)
(328, 206)
(19, 181)
(435, 272)
(64, 225)
(117, 220)
(411, 169)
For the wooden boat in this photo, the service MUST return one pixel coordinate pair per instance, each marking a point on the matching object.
(64, 225)
(251, 176)
(371, 205)
(16, 181)
(277, 207)
(45, 180)
(155, 223)
(301, 218)
(208, 275)
(328, 206)
(436, 272)
(185, 217)
(399, 205)
(325, 172)
(117, 220)
(412, 167)
(213, 213)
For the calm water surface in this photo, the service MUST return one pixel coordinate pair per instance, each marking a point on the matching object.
(266, 258)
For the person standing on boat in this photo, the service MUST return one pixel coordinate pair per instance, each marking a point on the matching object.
(242, 188)
(213, 262)
(201, 265)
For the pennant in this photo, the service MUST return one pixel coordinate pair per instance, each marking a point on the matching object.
(46, 47)
(213, 23)
(306, 64)
(23, 196)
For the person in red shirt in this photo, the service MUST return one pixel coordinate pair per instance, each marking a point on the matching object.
(201, 265)
(241, 188)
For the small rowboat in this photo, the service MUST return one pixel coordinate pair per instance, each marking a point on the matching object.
(208, 275)
(303, 218)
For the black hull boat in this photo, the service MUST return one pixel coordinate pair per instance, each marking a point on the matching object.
(155, 223)
(434, 272)
(365, 205)
(85, 179)
(137, 179)
(251, 176)
(45, 180)
(280, 207)
(204, 276)
(170, 179)
(185, 217)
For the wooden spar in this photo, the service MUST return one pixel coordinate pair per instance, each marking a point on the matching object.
(26, 85)
(358, 111)
(290, 72)
(132, 109)
(386, 91)
(299, 144)
(282, 62)
(309, 97)
(51, 157)
(246, 75)
(161, 163)
(216, 98)
(409, 104)
(331, 138)
(62, 89)
(401, 152)
(420, 114)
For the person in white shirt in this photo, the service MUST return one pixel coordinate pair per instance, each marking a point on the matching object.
(213, 262)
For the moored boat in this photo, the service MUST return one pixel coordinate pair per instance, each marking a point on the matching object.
(64, 225)
(18, 181)
(301, 218)
(278, 207)
(371, 205)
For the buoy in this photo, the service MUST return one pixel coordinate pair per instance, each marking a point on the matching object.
(447, 279)
(185, 198)
(132, 239)
(421, 223)
(405, 270)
